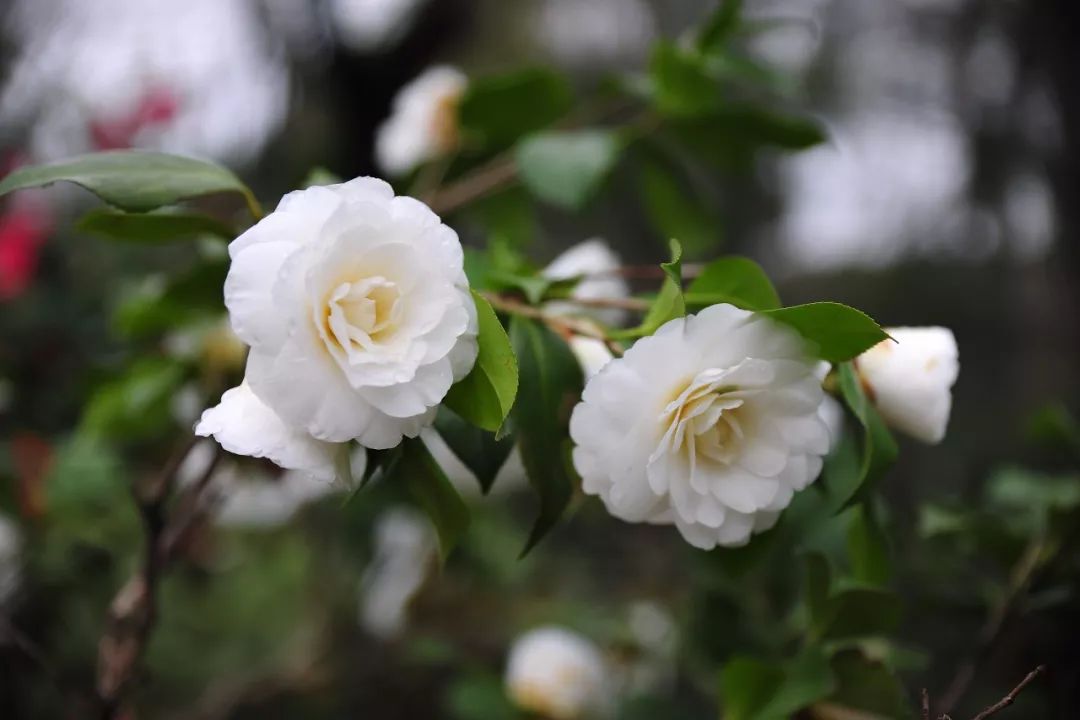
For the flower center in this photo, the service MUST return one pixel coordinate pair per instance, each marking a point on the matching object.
(704, 422)
(358, 315)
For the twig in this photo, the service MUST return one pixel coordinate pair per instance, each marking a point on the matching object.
(1011, 697)
(565, 326)
(500, 172)
(133, 611)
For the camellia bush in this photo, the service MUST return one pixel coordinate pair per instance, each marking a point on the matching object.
(375, 342)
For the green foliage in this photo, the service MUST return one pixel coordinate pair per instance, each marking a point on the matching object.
(157, 227)
(184, 298)
(480, 696)
(879, 450)
(736, 280)
(868, 688)
(133, 180)
(756, 690)
(498, 109)
(676, 211)
(567, 168)
(846, 610)
(720, 26)
(550, 383)
(136, 404)
(868, 547)
(484, 396)
(480, 451)
(839, 332)
(429, 487)
(681, 85)
(669, 302)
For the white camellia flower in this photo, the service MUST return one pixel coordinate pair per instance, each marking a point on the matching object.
(711, 424)
(595, 259)
(423, 123)
(558, 674)
(405, 551)
(910, 380)
(359, 318)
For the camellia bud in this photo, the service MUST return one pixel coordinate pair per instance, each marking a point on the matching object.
(910, 379)
(557, 674)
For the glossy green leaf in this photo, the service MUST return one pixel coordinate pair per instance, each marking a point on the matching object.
(567, 168)
(134, 180)
(669, 302)
(480, 696)
(550, 384)
(867, 689)
(498, 109)
(736, 280)
(158, 227)
(732, 137)
(817, 579)
(675, 210)
(429, 487)
(839, 332)
(879, 449)
(477, 449)
(484, 396)
(868, 547)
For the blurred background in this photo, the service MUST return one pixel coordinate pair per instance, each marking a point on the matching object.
(944, 194)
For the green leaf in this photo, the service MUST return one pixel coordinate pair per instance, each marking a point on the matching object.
(839, 332)
(567, 168)
(733, 136)
(862, 611)
(675, 211)
(868, 688)
(497, 110)
(879, 450)
(477, 449)
(755, 690)
(480, 696)
(681, 84)
(746, 685)
(736, 280)
(136, 404)
(818, 580)
(868, 547)
(161, 227)
(134, 180)
(669, 302)
(484, 396)
(550, 384)
(720, 26)
(429, 487)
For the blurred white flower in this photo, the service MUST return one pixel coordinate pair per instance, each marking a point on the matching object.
(199, 77)
(358, 314)
(711, 424)
(558, 674)
(404, 551)
(368, 25)
(423, 123)
(591, 353)
(910, 380)
(830, 411)
(655, 636)
(597, 263)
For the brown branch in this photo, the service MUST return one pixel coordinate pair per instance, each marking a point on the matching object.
(565, 326)
(1011, 697)
(133, 611)
(495, 175)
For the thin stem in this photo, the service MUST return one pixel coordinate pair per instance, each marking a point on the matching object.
(133, 611)
(497, 174)
(1011, 697)
(253, 205)
(565, 326)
